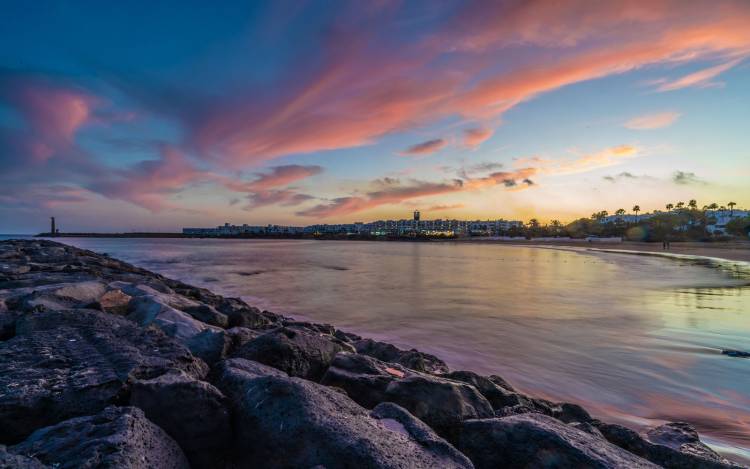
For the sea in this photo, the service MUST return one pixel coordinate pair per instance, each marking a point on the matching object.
(636, 339)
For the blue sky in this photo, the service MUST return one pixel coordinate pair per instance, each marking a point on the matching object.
(152, 117)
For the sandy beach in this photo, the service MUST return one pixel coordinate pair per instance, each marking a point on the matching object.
(729, 250)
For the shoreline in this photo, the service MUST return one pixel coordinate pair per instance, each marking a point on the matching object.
(229, 348)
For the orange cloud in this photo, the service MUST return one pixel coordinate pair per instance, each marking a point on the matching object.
(425, 148)
(652, 121)
(700, 78)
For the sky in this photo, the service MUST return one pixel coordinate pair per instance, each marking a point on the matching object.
(153, 116)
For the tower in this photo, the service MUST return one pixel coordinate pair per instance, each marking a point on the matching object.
(416, 220)
(52, 226)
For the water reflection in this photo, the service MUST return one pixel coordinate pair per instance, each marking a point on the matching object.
(634, 338)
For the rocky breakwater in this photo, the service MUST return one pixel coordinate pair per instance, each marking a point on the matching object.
(104, 364)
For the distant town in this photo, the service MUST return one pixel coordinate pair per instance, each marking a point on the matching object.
(679, 221)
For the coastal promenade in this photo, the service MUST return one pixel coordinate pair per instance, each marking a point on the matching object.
(102, 362)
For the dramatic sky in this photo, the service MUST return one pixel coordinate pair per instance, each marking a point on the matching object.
(154, 116)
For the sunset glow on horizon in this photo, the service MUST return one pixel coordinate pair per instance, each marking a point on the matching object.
(152, 117)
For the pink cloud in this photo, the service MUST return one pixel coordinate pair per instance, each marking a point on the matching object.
(149, 183)
(283, 175)
(489, 59)
(701, 78)
(652, 121)
(425, 148)
(476, 136)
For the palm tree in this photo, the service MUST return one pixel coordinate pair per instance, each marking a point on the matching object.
(731, 208)
(680, 205)
(620, 211)
(670, 206)
(533, 223)
(713, 206)
(693, 204)
(636, 209)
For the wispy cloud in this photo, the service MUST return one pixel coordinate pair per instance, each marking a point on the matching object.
(652, 121)
(425, 148)
(701, 78)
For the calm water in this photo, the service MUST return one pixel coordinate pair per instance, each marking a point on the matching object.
(634, 338)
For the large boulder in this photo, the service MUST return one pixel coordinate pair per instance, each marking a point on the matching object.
(536, 440)
(674, 445)
(63, 364)
(441, 403)
(365, 379)
(498, 395)
(413, 358)
(120, 437)
(192, 412)
(398, 419)
(295, 351)
(291, 422)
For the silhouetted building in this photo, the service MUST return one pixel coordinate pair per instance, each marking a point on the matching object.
(52, 229)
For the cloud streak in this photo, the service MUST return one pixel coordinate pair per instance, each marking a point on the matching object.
(652, 121)
(425, 148)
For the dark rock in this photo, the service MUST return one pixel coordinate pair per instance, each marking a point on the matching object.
(535, 440)
(63, 364)
(568, 413)
(209, 345)
(587, 427)
(291, 422)
(666, 450)
(736, 353)
(413, 359)
(194, 413)
(397, 418)
(242, 315)
(364, 378)
(239, 336)
(18, 461)
(498, 396)
(346, 336)
(120, 437)
(232, 376)
(440, 403)
(207, 314)
(294, 351)
(317, 328)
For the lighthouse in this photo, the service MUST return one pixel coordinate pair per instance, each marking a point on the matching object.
(52, 229)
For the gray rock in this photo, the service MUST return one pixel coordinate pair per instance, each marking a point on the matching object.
(120, 437)
(154, 309)
(499, 396)
(536, 440)
(63, 364)
(291, 422)
(413, 359)
(440, 403)
(241, 335)
(294, 351)
(194, 413)
(232, 376)
(210, 345)
(242, 315)
(207, 314)
(674, 446)
(18, 461)
(365, 379)
(397, 418)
